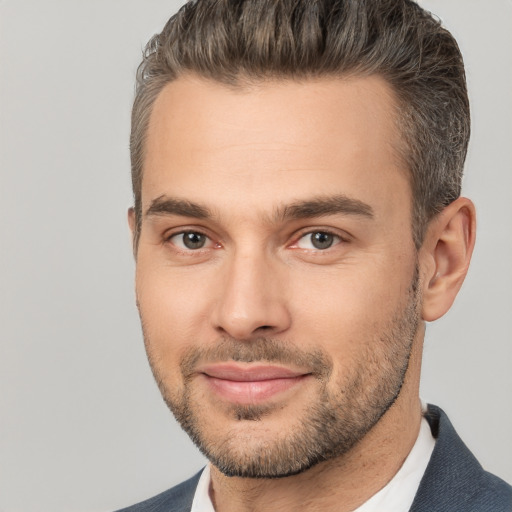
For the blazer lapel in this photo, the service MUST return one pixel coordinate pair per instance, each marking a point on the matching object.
(453, 475)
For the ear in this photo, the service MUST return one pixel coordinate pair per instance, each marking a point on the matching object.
(131, 223)
(445, 256)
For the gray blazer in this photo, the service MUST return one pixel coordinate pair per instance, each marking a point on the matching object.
(453, 482)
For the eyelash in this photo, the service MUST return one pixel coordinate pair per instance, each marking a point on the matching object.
(294, 245)
(188, 251)
(324, 231)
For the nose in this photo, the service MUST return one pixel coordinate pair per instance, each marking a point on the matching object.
(253, 300)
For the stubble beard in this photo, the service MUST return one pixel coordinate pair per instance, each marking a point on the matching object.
(328, 428)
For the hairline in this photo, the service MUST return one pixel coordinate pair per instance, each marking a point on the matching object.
(245, 82)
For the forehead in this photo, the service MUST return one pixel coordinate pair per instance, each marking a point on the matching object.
(265, 143)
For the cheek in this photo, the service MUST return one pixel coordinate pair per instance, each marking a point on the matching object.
(172, 306)
(343, 310)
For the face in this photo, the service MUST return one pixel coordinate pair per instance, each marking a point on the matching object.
(276, 272)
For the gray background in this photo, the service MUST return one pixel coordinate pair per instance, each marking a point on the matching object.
(82, 425)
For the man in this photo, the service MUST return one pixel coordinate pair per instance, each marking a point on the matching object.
(296, 170)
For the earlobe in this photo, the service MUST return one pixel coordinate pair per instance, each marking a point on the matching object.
(446, 254)
(131, 223)
(131, 219)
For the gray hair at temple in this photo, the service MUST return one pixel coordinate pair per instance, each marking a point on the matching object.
(240, 42)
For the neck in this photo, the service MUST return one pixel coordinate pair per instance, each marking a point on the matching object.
(340, 484)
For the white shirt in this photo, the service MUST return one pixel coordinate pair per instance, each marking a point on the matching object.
(396, 496)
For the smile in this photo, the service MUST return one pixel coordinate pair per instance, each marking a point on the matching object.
(250, 384)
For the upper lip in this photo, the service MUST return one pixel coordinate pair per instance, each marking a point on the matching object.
(248, 373)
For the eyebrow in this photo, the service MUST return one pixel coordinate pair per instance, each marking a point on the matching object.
(315, 207)
(323, 206)
(165, 205)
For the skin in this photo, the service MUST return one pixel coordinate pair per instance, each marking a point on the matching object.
(244, 155)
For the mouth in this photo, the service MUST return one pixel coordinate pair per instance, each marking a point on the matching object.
(250, 384)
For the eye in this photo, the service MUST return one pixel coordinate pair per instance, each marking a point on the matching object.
(190, 240)
(319, 240)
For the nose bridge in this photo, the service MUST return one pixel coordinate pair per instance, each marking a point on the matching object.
(252, 298)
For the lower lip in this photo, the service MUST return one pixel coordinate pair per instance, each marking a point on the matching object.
(250, 392)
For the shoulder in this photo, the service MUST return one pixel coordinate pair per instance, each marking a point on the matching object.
(454, 479)
(176, 499)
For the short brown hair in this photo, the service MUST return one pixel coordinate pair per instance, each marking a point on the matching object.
(234, 41)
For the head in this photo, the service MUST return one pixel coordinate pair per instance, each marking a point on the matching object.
(296, 168)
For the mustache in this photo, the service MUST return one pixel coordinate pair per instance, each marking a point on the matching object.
(265, 350)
